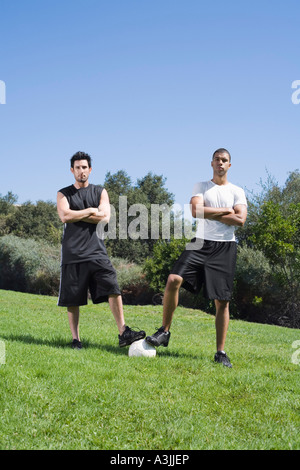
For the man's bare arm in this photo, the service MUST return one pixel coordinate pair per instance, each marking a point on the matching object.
(199, 210)
(103, 211)
(67, 215)
(238, 218)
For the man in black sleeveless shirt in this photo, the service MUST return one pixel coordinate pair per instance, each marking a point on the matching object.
(84, 260)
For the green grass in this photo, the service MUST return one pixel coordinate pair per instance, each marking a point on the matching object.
(52, 397)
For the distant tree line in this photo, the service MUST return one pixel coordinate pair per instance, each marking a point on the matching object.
(39, 221)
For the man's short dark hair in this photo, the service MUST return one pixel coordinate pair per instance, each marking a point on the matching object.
(81, 156)
(221, 150)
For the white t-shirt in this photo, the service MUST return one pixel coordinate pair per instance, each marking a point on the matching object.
(214, 195)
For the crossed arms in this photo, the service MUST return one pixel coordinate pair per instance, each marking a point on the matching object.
(92, 215)
(227, 215)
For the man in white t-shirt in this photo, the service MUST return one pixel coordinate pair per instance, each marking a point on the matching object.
(209, 260)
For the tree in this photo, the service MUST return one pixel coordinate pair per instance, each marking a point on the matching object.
(130, 232)
(7, 203)
(39, 221)
(7, 207)
(276, 234)
(273, 228)
(153, 187)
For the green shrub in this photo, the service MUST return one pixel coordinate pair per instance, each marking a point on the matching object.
(27, 265)
(132, 282)
(253, 281)
(32, 266)
(259, 291)
(157, 268)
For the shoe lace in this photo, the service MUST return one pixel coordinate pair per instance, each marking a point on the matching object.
(128, 330)
(158, 331)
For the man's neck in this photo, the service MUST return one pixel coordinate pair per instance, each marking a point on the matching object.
(220, 180)
(79, 185)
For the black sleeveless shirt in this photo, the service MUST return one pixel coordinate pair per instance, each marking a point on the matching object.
(80, 241)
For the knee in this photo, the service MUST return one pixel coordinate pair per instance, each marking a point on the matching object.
(222, 305)
(174, 282)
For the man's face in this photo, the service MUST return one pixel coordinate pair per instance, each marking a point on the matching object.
(221, 163)
(81, 171)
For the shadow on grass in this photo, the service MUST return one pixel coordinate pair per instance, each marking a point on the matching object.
(29, 339)
(60, 342)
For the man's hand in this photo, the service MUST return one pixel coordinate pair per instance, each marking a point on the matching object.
(215, 213)
(226, 215)
(67, 215)
(199, 210)
(95, 217)
(102, 212)
(238, 217)
(92, 211)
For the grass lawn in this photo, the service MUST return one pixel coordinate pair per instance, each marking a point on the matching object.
(52, 397)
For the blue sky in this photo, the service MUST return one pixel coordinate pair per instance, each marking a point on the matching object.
(147, 85)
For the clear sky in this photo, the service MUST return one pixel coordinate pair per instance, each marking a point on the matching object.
(147, 85)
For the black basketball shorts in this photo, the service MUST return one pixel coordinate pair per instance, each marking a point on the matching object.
(211, 266)
(98, 276)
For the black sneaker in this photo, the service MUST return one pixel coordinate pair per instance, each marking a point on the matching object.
(129, 336)
(160, 338)
(76, 344)
(222, 357)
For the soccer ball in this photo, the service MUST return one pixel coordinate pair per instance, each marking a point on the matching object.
(141, 348)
